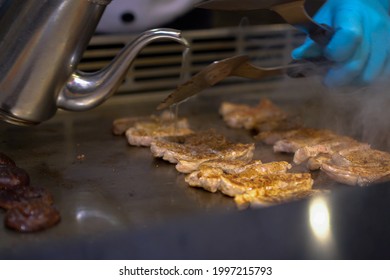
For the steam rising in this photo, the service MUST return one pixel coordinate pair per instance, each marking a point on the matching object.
(363, 113)
(360, 112)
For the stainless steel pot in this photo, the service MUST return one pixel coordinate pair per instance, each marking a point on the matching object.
(41, 43)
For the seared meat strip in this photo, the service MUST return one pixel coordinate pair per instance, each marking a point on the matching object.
(142, 131)
(245, 116)
(303, 137)
(191, 150)
(209, 175)
(145, 132)
(253, 183)
(235, 184)
(273, 136)
(358, 165)
(28, 208)
(119, 126)
(326, 147)
(279, 124)
(261, 197)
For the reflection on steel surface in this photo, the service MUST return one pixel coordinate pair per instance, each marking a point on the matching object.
(320, 219)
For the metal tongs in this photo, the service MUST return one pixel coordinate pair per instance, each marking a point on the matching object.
(294, 13)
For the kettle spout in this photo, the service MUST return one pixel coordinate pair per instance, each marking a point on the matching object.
(84, 91)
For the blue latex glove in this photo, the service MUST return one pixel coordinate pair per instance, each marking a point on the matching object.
(360, 46)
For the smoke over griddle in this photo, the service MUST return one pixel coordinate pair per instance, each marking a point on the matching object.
(360, 112)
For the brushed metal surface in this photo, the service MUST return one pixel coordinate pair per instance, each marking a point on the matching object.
(110, 193)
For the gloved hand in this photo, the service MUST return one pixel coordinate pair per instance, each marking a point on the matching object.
(360, 46)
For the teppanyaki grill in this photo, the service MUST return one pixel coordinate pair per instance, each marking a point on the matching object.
(118, 202)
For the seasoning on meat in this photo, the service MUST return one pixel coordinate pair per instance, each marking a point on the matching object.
(32, 216)
(279, 125)
(143, 133)
(360, 166)
(253, 184)
(275, 184)
(301, 138)
(260, 197)
(143, 130)
(326, 147)
(272, 136)
(245, 116)
(191, 150)
(209, 175)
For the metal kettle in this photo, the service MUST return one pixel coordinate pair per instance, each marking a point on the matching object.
(41, 43)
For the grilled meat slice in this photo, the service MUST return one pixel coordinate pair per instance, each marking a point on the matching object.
(208, 178)
(209, 175)
(10, 198)
(303, 137)
(145, 132)
(359, 165)
(316, 162)
(279, 124)
(244, 116)
(235, 184)
(191, 150)
(32, 216)
(231, 166)
(326, 147)
(142, 131)
(273, 136)
(119, 126)
(260, 197)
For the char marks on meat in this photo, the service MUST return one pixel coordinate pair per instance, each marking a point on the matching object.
(276, 184)
(261, 197)
(252, 183)
(142, 134)
(342, 158)
(301, 138)
(32, 216)
(142, 131)
(13, 177)
(267, 182)
(209, 175)
(10, 198)
(28, 208)
(326, 148)
(360, 166)
(189, 151)
(278, 125)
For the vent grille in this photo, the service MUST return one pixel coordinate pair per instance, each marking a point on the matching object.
(159, 65)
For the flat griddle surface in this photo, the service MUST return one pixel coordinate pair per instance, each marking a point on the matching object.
(109, 192)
